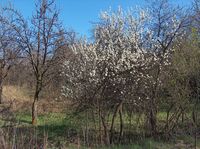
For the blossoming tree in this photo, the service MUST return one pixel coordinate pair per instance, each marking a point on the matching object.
(123, 65)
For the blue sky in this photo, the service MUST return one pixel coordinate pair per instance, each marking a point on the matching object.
(79, 14)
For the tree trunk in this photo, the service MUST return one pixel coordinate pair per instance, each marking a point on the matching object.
(113, 121)
(152, 118)
(167, 119)
(34, 112)
(121, 125)
(194, 117)
(1, 86)
(153, 112)
(1, 91)
(35, 100)
(153, 122)
(106, 133)
(99, 121)
(34, 107)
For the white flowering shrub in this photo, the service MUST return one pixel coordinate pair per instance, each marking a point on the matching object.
(125, 62)
(112, 63)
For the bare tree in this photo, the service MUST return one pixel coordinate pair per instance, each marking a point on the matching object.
(10, 50)
(41, 38)
(167, 27)
(47, 38)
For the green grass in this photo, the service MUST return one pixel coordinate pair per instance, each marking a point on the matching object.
(54, 124)
(46, 119)
(145, 144)
(59, 127)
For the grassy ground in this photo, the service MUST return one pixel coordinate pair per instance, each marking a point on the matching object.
(64, 130)
(59, 127)
(146, 144)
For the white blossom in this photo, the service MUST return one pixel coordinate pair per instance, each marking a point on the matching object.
(126, 47)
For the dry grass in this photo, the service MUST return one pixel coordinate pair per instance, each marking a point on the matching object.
(16, 93)
(22, 97)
